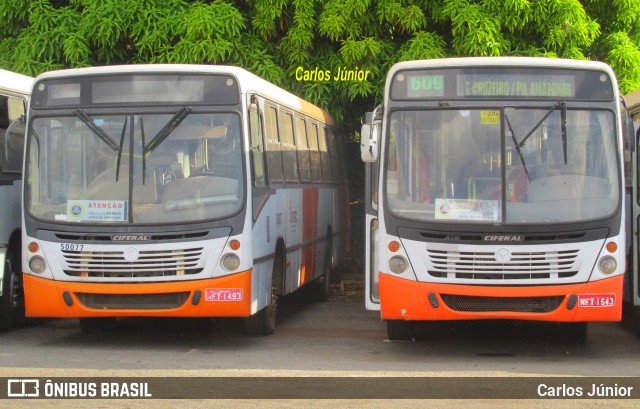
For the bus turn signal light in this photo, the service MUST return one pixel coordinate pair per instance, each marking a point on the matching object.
(33, 247)
(612, 247)
(394, 246)
(234, 244)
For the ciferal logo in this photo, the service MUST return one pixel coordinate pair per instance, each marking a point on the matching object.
(503, 237)
(23, 388)
(130, 237)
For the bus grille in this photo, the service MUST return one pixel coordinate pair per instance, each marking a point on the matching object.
(483, 265)
(165, 301)
(152, 263)
(466, 303)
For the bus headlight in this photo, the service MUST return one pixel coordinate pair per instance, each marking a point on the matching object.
(37, 264)
(398, 265)
(607, 265)
(230, 262)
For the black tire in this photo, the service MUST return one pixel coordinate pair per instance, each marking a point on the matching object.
(574, 333)
(399, 330)
(9, 302)
(263, 322)
(635, 312)
(322, 285)
(97, 324)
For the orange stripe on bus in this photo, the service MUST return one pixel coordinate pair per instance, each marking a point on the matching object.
(402, 299)
(316, 112)
(309, 232)
(43, 298)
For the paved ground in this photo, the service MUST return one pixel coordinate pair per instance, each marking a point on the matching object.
(337, 338)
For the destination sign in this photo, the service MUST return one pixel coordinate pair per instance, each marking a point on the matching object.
(136, 89)
(510, 83)
(517, 85)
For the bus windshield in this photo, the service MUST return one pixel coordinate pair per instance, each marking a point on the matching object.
(134, 168)
(547, 164)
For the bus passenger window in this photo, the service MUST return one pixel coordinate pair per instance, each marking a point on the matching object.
(257, 149)
(274, 147)
(11, 133)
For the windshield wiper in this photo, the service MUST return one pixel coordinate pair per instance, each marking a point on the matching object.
(80, 113)
(144, 162)
(124, 128)
(168, 128)
(558, 105)
(563, 129)
(562, 105)
(513, 136)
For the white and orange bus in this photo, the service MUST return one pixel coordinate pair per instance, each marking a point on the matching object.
(14, 94)
(177, 190)
(498, 193)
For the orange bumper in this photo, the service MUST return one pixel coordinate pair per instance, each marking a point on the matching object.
(46, 298)
(402, 299)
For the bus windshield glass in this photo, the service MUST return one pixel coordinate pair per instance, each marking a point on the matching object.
(134, 168)
(551, 164)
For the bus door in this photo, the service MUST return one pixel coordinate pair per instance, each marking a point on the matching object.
(256, 150)
(369, 152)
(633, 263)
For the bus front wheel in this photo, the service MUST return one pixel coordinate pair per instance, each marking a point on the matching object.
(97, 324)
(636, 318)
(574, 333)
(399, 330)
(264, 321)
(322, 285)
(9, 302)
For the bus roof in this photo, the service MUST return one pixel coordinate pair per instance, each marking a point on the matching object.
(501, 62)
(247, 81)
(15, 82)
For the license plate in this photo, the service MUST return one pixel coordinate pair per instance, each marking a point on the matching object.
(597, 300)
(223, 294)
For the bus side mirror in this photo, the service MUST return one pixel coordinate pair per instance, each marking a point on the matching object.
(369, 137)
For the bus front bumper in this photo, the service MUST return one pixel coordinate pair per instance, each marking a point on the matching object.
(228, 296)
(419, 301)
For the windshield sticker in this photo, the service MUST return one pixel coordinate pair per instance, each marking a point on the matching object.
(464, 209)
(489, 117)
(97, 210)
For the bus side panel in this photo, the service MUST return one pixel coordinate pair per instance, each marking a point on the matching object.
(309, 222)
(261, 285)
(408, 300)
(10, 205)
(325, 214)
(633, 269)
(266, 231)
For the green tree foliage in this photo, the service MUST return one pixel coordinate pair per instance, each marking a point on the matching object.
(273, 38)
